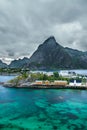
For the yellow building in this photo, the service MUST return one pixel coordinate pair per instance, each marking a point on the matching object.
(46, 82)
(60, 82)
(56, 83)
(38, 82)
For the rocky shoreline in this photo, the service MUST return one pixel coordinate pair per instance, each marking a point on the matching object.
(32, 86)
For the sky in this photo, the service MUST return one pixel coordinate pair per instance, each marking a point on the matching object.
(25, 24)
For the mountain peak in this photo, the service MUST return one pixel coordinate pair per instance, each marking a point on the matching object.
(49, 43)
(50, 40)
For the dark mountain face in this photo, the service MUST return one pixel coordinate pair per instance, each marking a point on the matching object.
(3, 65)
(50, 55)
(19, 63)
(79, 58)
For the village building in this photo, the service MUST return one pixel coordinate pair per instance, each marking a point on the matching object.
(75, 83)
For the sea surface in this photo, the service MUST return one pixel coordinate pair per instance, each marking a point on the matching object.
(42, 109)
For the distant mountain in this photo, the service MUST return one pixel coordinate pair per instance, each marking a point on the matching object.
(3, 65)
(20, 63)
(51, 55)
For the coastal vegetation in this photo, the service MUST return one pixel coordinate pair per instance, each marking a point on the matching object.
(12, 71)
(42, 76)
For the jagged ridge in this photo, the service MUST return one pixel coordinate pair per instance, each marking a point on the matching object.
(51, 55)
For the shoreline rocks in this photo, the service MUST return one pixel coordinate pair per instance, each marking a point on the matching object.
(8, 85)
(32, 86)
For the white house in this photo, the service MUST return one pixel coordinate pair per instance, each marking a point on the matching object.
(75, 83)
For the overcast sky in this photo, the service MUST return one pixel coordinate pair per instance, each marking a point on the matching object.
(24, 24)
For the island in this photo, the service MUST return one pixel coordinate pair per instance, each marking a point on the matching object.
(46, 80)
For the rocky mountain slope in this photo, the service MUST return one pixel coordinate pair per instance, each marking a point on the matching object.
(51, 55)
(20, 63)
(3, 65)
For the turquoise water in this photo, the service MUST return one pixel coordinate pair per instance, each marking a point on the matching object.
(30, 109)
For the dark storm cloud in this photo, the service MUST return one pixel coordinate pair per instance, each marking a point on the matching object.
(24, 24)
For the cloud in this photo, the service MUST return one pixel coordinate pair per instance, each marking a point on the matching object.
(24, 24)
(68, 33)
